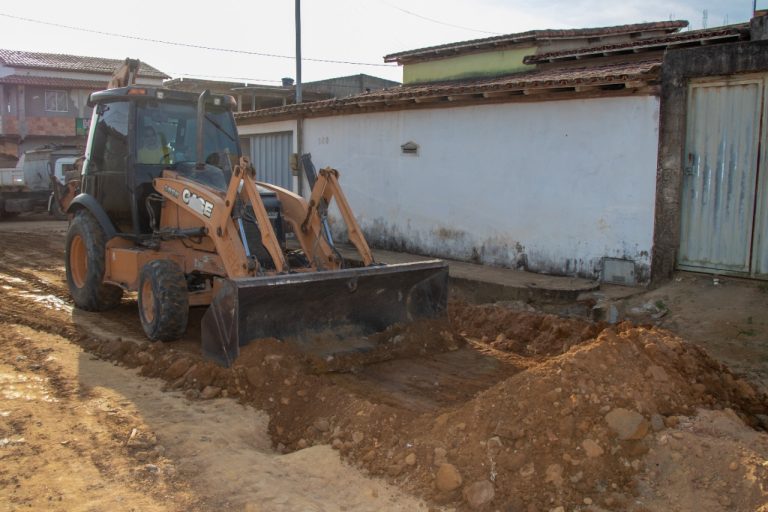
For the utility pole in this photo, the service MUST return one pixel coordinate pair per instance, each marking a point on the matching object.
(298, 51)
(299, 117)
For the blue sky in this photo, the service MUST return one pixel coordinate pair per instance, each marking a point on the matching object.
(337, 30)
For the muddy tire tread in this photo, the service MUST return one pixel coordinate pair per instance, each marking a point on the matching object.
(95, 295)
(170, 297)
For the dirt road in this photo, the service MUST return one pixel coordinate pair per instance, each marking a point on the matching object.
(523, 411)
(80, 433)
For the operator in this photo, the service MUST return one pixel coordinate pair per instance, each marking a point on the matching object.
(150, 149)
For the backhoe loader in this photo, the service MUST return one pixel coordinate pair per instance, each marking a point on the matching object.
(188, 225)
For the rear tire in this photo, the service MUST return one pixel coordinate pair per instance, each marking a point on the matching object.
(4, 214)
(163, 300)
(85, 264)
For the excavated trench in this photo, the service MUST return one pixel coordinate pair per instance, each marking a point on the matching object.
(497, 405)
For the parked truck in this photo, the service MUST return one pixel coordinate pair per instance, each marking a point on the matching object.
(38, 180)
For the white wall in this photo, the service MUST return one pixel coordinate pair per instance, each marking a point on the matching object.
(555, 186)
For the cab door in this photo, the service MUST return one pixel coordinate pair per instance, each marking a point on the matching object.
(106, 166)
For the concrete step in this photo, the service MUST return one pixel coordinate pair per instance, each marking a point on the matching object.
(483, 283)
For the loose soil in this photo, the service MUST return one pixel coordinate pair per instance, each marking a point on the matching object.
(507, 409)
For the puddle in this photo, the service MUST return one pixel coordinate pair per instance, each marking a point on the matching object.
(22, 387)
(11, 440)
(10, 279)
(50, 301)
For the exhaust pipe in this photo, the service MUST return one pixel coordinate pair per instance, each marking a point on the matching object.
(200, 128)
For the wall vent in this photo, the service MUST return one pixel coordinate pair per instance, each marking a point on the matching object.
(410, 148)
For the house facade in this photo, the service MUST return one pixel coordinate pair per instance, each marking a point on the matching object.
(44, 97)
(541, 150)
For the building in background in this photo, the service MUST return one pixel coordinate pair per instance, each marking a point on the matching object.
(555, 151)
(44, 97)
(256, 96)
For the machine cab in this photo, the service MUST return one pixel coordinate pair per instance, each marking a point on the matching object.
(137, 132)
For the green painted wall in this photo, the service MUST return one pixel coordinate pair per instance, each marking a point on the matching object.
(468, 66)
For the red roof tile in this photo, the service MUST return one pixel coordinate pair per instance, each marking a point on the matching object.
(61, 62)
(53, 82)
(619, 73)
(694, 36)
(534, 35)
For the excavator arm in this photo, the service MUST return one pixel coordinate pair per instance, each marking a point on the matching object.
(125, 75)
(290, 302)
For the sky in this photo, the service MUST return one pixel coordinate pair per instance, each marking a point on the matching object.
(254, 41)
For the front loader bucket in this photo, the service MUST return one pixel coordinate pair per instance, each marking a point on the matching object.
(301, 304)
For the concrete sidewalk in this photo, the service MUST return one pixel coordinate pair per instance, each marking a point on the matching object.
(482, 283)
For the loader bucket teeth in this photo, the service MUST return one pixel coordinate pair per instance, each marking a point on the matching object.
(296, 306)
(219, 329)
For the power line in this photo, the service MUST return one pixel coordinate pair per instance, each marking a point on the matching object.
(187, 45)
(432, 20)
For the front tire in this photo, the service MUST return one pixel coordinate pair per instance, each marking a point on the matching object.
(85, 264)
(163, 300)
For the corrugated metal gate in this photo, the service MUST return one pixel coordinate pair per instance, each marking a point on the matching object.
(725, 198)
(270, 154)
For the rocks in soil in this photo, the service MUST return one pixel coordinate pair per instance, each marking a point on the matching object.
(210, 392)
(554, 475)
(591, 448)
(322, 425)
(113, 349)
(628, 425)
(479, 494)
(657, 422)
(494, 446)
(447, 478)
(178, 368)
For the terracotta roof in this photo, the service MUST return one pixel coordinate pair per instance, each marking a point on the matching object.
(612, 75)
(534, 35)
(53, 82)
(61, 62)
(719, 34)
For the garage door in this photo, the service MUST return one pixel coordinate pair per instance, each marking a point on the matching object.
(725, 198)
(270, 154)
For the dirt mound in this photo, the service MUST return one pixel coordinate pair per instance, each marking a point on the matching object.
(582, 416)
(520, 332)
(577, 427)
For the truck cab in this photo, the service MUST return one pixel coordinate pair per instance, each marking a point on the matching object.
(28, 187)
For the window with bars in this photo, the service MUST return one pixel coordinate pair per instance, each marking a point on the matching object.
(56, 101)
